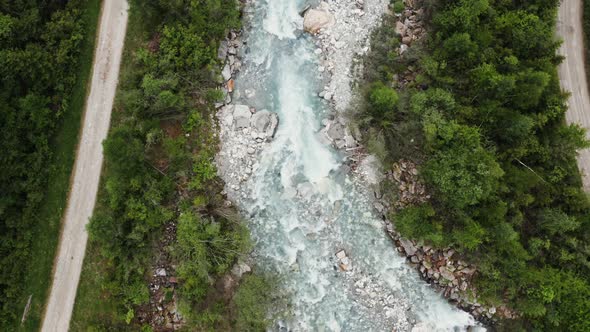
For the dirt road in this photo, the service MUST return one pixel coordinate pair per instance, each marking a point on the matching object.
(72, 246)
(572, 75)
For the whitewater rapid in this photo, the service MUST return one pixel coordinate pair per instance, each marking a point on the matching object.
(303, 205)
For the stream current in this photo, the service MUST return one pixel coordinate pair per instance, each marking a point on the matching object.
(303, 206)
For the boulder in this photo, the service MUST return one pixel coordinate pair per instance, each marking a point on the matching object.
(222, 51)
(400, 28)
(260, 121)
(445, 273)
(242, 116)
(449, 253)
(315, 20)
(304, 10)
(403, 48)
(408, 246)
(240, 269)
(274, 124)
(265, 123)
(350, 141)
(226, 72)
(336, 131)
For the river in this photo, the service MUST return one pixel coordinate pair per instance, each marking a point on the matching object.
(304, 206)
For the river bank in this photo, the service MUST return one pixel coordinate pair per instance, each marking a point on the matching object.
(342, 49)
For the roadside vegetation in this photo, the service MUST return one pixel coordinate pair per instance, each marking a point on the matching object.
(485, 120)
(160, 201)
(46, 53)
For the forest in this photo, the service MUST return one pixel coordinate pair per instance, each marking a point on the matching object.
(485, 122)
(44, 60)
(160, 195)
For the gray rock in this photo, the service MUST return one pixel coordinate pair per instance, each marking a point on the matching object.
(464, 286)
(274, 125)
(240, 269)
(408, 246)
(350, 142)
(336, 131)
(226, 72)
(445, 273)
(242, 116)
(400, 28)
(304, 10)
(260, 121)
(449, 253)
(379, 207)
(222, 51)
(403, 48)
(265, 123)
(161, 272)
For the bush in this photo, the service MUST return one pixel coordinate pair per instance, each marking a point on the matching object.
(418, 222)
(398, 6)
(382, 100)
(252, 301)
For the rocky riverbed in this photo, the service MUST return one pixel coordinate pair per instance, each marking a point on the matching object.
(309, 207)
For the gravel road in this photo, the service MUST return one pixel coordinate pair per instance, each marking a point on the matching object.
(572, 75)
(72, 245)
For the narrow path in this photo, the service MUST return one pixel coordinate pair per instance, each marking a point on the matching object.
(72, 246)
(572, 74)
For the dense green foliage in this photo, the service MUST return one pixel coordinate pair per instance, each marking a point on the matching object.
(251, 303)
(159, 173)
(485, 120)
(204, 249)
(43, 67)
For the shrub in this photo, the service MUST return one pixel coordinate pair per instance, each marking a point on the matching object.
(382, 100)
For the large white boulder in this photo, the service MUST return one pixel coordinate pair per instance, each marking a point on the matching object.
(315, 20)
(242, 116)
